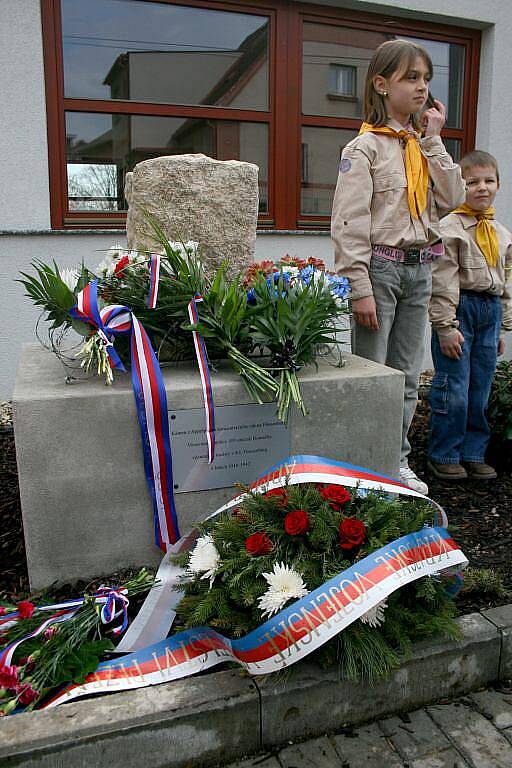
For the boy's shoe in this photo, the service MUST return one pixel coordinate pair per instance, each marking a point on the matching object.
(412, 481)
(447, 471)
(480, 471)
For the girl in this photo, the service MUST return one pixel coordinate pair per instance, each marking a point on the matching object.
(392, 189)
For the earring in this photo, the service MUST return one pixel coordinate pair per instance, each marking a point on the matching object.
(384, 93)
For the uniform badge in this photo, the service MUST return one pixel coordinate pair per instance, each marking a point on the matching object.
(345, 165)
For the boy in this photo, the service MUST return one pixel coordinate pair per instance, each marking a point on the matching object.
(471, 302)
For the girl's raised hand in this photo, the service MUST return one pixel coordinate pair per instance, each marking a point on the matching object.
(433, 119)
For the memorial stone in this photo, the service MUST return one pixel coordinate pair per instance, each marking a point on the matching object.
(194, 197)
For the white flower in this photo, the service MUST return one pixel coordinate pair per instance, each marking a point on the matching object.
(107, 266)
(285, 584)
(69, 277)
(375, 616)
(184, 249)
(204, 558)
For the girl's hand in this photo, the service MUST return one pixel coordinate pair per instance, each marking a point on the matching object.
(433, 119)
(451, 346)
(501, 346)
(364, 312)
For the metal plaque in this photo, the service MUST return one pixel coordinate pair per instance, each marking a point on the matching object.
(249, 439)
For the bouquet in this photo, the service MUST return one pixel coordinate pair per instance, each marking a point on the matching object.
(45, 646)
(268, 322)
(274, 548)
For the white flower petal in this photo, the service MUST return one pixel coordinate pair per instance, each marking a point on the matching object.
(375, 616)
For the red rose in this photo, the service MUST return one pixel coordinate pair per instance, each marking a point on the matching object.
(121, 264)
(336, 495)
(25, 609)
(297, 522)
(26, 694)
(258, 544)
(279, 494)
(352, 533)
(8, 676)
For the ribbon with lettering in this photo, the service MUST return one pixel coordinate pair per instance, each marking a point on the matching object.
(150, 399)
(291, 634)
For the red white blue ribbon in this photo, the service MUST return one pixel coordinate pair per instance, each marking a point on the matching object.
(206, 383)
(150, 400)
(289, 636)
(154, 280)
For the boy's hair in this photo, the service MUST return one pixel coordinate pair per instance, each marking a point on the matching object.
(390, 57)
(480, 158)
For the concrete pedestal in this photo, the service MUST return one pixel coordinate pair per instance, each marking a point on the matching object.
(86, 506)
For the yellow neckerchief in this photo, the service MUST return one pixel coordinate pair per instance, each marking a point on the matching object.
(416, 166)
(486, 235)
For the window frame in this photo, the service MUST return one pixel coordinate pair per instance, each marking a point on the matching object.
(284, 116)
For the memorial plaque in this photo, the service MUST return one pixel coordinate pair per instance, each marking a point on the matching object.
(249, 439)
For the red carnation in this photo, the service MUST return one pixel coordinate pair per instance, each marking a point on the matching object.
(336, 495)
(258, 544)
(26, 694)
(8, 676)
(279, 494)
(123, 262)
(352, 533)
(25, 609)
(297, 522)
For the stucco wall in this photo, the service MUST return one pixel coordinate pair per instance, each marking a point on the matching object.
(24, 197)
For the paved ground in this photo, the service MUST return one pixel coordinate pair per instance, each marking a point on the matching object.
(472, 732)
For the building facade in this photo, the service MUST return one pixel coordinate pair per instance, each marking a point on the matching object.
(90, 89)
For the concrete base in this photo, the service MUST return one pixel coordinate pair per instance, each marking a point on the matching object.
(217, 717)
(86, 507)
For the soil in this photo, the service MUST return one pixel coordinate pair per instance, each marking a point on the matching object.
(480, 513)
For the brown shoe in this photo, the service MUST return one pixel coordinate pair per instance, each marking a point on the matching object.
(447, 471)
(480, 471)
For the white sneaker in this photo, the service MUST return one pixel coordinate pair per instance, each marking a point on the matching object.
(412, 481)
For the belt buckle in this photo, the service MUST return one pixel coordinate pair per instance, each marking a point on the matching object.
(413, 256)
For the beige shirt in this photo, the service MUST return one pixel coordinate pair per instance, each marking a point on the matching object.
(464, 266)
(371, 207)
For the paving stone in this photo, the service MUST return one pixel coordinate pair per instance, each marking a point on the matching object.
(448, 758)
(368, 749)
(481, 744)
(415, 736)
(317, 753)
(260, 761)
(495, 705)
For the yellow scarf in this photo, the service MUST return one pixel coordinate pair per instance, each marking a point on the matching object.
(416, 167)
(486, 235)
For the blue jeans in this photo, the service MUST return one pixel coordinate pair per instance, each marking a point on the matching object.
(460, 388)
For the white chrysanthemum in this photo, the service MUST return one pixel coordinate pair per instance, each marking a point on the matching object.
(112, 256)
(285, 584)
(204, 558)
(375, 616)
(69, 277)
(185, 249)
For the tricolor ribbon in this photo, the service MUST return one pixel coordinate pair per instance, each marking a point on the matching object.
(116, 604)
(291, 634)
(150, 399)
(206, 383)
(8, 652)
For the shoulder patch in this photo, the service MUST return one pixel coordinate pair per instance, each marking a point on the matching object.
(345, 165)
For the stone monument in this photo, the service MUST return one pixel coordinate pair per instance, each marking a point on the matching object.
(86, 506)
(193, 197)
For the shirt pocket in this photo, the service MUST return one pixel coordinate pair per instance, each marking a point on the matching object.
(389, 202)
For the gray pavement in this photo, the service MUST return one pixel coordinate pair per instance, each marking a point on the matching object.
(474, 731)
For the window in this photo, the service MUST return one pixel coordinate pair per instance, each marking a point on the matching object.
(342, 81)
(276, 83)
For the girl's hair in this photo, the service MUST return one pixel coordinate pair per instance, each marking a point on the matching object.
(393, 56)
(478, 158)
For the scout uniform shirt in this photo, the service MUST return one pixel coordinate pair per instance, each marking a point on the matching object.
(464, 266)
(371, 205)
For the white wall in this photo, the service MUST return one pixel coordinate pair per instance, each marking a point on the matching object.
(24, 197)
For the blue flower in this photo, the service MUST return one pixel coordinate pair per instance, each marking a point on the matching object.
(340, 286)
(306, 274)
(251, 296)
